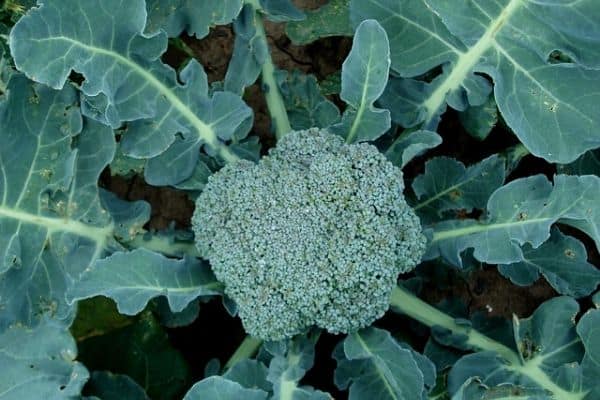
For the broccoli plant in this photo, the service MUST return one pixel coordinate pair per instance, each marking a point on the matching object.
(342, 251)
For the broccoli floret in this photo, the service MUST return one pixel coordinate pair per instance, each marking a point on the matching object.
(316, 233)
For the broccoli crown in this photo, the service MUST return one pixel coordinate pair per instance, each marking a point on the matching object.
(316, 233)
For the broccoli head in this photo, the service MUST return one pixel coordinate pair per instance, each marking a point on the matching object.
(316, 233)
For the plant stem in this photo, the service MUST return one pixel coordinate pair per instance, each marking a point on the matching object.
(163, 244)
(245, 350)
(273, 97)
(405, 302)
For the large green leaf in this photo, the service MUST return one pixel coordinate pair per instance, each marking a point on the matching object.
(195, 17)
(364, 76)
(513, 42)
(375, 366)
(108, 386)
(52, 224)
(126, 81)
(133, 278)
(39, 364)
(521, 212)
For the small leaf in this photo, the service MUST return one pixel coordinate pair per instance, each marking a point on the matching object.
(305, 105)
(563, 262)
(219, 388)
(364, 76)
(249, 52)
(331, 19)
(132, 278)
(408, 147)
(281, 10)
(448, 185)
(479, 121)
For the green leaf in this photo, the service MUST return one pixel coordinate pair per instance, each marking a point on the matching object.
(510, 41)
(375, 366)
(479, 121)
(364, 76)
(521, 212)
(39, 363)
(408, 147)
(196, 18)
(563, 262)
(305, 105)
(132, 278)
(251, 374)
(126, 81)
(549, 352)
(219, 388)
(281, 10)
(249, 52)
(52, 224)
(474, 389)
(97, 316)
(143, 352)
(448, 185)
(291, 360)
(587, 329)
(331, 19)
(109, 386)
(125, 166)
(170, 319)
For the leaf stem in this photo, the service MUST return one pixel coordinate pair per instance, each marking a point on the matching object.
(163, 244)
(405, 302)
(409, 304)
(273, 97)
(245, 350)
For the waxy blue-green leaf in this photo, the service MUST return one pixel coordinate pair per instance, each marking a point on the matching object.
(133, 278)
(521, 212)
(305, 105)
(550, 353)
(364, 76)
(125, 79)
(109, 386)
(511, 41)
(331, 19)
(448, 185)
(249, 52)
(52, 224)
(587, 329)
(280, 10)
(562, 260)
(375, 366)
(474, 389)
(408, 147)
(250, 374)
(479, 121)
(291, 360)
(219, 388)
(195, 17)
(40, 363)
